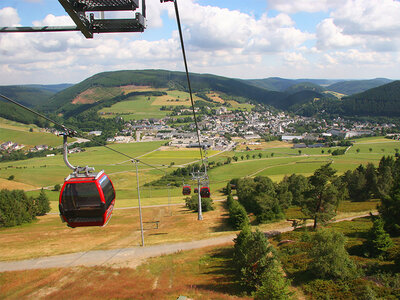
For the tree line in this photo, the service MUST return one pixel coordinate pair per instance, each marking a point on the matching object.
(17, 208)
(320, 194)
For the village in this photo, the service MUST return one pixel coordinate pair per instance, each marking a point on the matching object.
(221, 129)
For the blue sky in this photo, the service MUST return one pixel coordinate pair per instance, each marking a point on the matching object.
(348, 39)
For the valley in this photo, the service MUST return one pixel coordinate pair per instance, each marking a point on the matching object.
(154, 123)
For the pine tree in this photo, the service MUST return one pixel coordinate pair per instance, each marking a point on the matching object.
(378, 239)
(257, 266)
(43, 203)
(389, 210)
(320, 200)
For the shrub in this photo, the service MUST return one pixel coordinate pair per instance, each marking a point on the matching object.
(329, 257)
(11, 177)
(257, 267)
(237, 215)
(193, 203)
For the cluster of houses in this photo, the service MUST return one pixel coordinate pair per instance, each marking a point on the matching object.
(11, 146)
(216, 129)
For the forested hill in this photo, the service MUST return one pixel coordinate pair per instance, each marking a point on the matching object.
(309, 97)
(33, 96)
(167, 79)
(380, 101)
(29, 95)
(351, 87)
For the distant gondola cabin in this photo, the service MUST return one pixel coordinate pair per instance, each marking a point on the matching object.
(186, 190)
(205, 192)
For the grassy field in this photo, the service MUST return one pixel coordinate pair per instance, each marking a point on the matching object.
(48, 171)
(29, 139)
(135, 108)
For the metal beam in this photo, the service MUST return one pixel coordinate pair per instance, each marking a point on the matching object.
(78, 18)
(39, 29)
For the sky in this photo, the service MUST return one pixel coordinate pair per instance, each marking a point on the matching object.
(252, 39)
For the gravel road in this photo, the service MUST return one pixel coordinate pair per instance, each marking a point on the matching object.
(126, 257)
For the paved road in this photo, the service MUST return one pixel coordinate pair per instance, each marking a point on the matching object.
(128, 257)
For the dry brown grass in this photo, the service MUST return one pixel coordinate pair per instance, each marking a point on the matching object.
(139, 88)
(199, 274)
(48, 236)
(15, 185)
(85, 97)
(215, 97)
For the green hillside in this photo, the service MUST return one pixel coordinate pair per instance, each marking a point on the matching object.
(30, 96)
(238, 89)
(304, 86)
(357, 86)
(379, 101)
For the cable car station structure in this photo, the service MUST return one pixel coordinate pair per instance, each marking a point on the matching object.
(82, 13)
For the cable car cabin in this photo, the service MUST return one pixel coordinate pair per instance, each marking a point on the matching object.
(186, 190)
(196, 190)
(87, 200)
(205, 192)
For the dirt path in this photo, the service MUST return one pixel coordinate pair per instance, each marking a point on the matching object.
(126, 257)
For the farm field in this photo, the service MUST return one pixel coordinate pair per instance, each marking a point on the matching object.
(49, 171)
(29, 139)
(135, 108)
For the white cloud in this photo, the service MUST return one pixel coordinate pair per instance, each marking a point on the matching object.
(369, 17)
(9, 17)
(367, 24)
(331, 36)
(294, 59)
(310, 6)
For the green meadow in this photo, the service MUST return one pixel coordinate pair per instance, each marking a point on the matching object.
(275, 163)
(30, 139)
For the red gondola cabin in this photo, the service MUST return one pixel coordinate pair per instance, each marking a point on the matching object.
(186, 190)
(205, 192)
(87, 200)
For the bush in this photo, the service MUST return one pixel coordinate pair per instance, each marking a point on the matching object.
(11, 177)
(257, 266)
(237, 215)
(330, 259)
(193, 203)
(57, 187)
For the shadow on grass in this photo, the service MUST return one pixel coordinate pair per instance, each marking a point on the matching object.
(222, 272)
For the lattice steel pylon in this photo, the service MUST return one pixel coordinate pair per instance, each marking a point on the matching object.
(82, 13)
(78, 9)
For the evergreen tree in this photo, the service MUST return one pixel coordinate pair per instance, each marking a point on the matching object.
(274, 285)
(320, 201)
(389, 210)
(43, 203)
(257, 266)
(379, 240)
(238, 215)
(329, 256)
